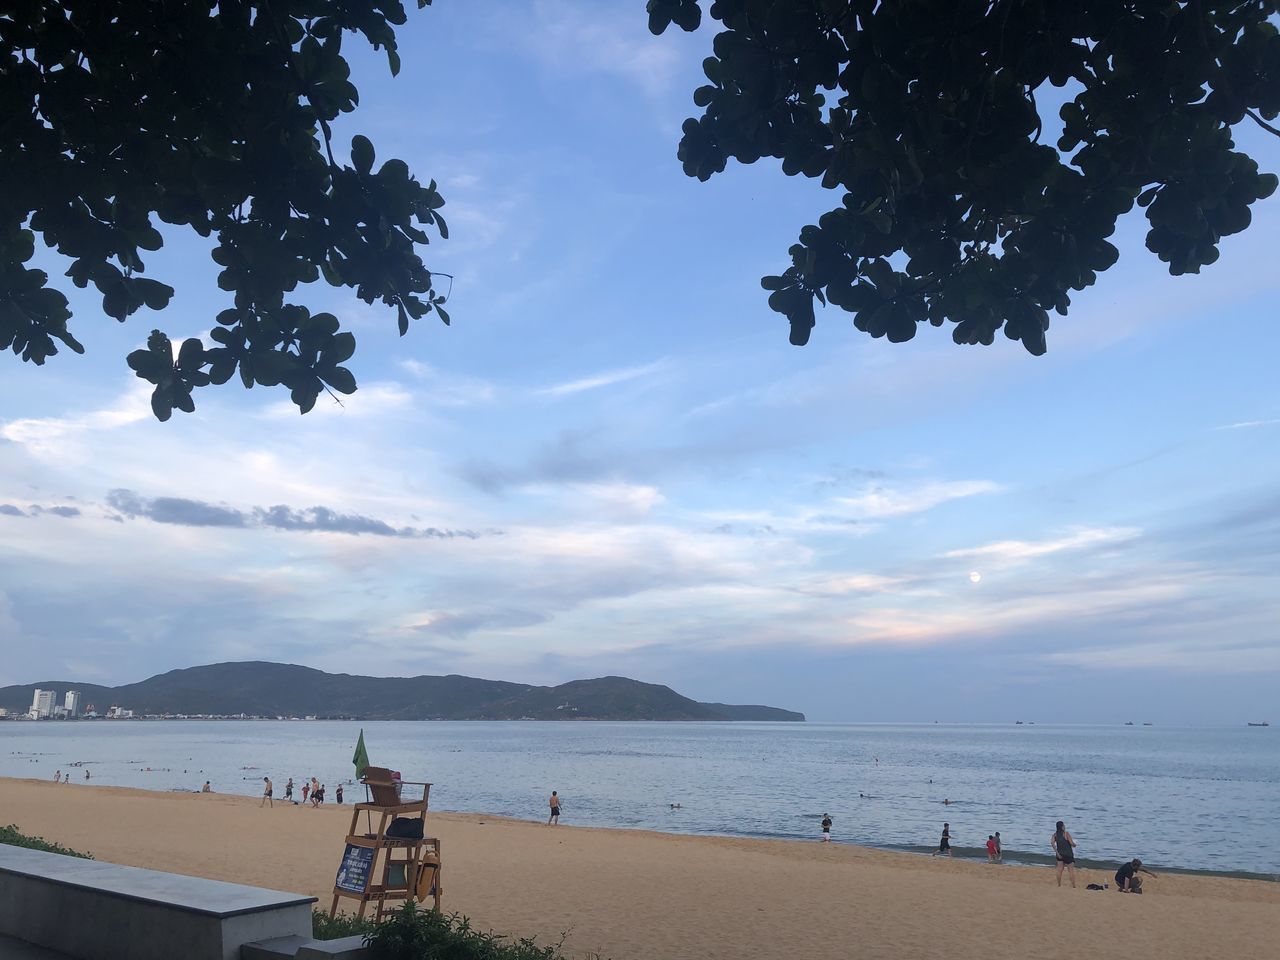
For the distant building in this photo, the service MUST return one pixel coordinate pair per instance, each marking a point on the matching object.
(42, 703)
(71, 703)
(118, 713)
(3, 712)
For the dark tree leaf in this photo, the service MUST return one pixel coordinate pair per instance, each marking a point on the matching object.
(922, 116)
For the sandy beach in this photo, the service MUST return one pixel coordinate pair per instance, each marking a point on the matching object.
(633, 895)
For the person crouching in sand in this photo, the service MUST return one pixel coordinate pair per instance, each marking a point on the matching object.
(1127, 879)
(1064, 853)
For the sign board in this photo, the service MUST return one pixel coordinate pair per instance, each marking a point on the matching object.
(353, 872)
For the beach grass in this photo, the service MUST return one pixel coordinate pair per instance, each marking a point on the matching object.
(324, 927)
(410, 933)
(14, 837)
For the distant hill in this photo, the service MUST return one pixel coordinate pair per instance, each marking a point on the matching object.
(258, 688)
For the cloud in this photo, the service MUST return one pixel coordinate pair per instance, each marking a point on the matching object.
(597, 38)
(1028, 606)
(57, 511)
(448, 389)
(879, 502)
(1011, 551)
(458, 624)
(54, 437)
(606, 379)
(322, 519)
(373, 401)
(177, 510)
(856, 583)
(196, 513)
(1183, 656)
(35, 510)
(1247, 424)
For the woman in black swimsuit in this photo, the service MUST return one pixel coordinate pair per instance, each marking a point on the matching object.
(1062, 849)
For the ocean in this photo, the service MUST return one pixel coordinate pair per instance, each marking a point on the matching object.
(1191, 799)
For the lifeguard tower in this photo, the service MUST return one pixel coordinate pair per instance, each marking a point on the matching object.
(395, 861)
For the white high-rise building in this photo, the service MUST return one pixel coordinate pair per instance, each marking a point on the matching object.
(72, 703)
(42, 703)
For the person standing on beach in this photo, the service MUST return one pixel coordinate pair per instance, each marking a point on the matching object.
(306, 788)
(288, 790)
(826, 828)
(266, 792)
(999, 848)
(554, 819)
(57, 777)
(1062, 844)
(991, 849)
(944, 845)
(337, 794)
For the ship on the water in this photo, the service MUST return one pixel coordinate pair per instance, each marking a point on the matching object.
(1264, 723)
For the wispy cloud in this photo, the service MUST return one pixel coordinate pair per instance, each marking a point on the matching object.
(607, 378)
(599, 38)
(195, 513)
(1010, 551)
(880, 502)
(444, 389)
(1247, 424)
(371, 400)
(51, 437)
(1195, 656)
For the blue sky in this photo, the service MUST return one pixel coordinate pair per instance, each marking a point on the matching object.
(613, 462)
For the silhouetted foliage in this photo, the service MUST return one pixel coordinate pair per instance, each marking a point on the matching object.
(924, 113)
(213, 116)
(14, 837)
(411, 933)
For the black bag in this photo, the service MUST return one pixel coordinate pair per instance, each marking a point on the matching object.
(405, 828)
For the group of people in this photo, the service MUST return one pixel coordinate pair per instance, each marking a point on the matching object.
(60, 777)
(1063, 844)
(313, 789)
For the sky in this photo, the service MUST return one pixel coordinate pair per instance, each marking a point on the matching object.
(614, 463)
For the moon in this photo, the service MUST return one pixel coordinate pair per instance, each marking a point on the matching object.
(975, 576)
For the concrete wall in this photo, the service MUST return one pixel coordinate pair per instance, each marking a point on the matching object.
(87, 910)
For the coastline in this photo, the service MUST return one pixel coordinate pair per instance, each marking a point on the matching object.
(632, 894)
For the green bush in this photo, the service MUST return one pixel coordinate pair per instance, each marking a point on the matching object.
(413, 934)
(343, 925)
(16, 838)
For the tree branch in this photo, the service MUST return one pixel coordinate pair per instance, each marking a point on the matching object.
(1262, 123)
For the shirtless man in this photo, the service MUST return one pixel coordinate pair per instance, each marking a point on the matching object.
(554, 803)
(266, 792)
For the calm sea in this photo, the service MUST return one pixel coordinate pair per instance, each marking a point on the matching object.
(1200, 799)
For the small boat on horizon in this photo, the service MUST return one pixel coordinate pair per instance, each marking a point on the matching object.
(1264, 723)
(1128, 723)
(1147, 723)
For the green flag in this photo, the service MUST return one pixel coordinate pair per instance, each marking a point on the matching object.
(361, 758)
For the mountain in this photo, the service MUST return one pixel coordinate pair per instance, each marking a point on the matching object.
(258, 688)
